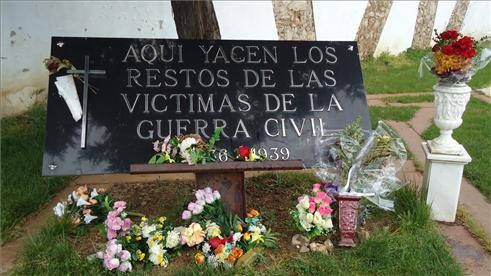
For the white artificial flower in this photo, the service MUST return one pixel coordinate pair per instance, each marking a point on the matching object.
(237, 236)
(88, 218)
(93, 193)
(216, 195)
(125, 267)
(317, 219)
(74, 196)
(212, 260)
(309, 217)
(59, 209)
(212, 229)
(254, 228)
(173, 239)
(329, 224)
(206, 248)
(147, 230)
(200, 202)
(82, 202)
(305, 225)
(208, 190)
(185, 145)
(304, 202)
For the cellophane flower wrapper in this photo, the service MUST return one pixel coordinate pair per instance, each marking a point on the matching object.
(377, 164)
(344, 158)
(464, 75)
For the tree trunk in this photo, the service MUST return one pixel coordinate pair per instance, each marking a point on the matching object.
(458, 15)
(195, 20)
(423, 29)
(371, 26)
(294, 20)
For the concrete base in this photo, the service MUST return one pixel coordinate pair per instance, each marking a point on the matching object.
(441, 182)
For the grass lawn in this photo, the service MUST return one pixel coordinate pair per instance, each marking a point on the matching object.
(399, 74)
(406, 242)
(473, 134)
(395, 113)
(23, 189)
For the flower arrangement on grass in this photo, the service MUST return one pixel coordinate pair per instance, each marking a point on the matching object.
(222, 237)
(151, 242)
(312, 214)
(84, 204)
(191, 148)
(455, 57)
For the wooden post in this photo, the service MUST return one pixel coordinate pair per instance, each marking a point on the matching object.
(195, 20)
(226, 177)
(230, 185)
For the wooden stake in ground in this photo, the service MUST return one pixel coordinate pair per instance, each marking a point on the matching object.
(195, 19)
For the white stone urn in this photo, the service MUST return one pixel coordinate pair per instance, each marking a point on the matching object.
(450, 103)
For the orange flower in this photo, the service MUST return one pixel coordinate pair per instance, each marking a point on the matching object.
(199, 258)
(231, 258)
(237, 252)
(87, 211)
(93, 201)
(81, 190)
(239, 227)
(219, 249)
(252, 213)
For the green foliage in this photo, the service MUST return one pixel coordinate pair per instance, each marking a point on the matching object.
(23, 189)
(411, 210)
(399, 74)
(49, 253)
(394, 113)
(474, 135)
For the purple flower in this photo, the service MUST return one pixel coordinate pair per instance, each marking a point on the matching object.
(186, 215)
(124, 255)
(331, 189)
(200, 194)
(119, 206)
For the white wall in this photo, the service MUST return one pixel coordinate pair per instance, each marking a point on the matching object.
(27, 27)
(337, 20)
(398, 31)
(246, 20)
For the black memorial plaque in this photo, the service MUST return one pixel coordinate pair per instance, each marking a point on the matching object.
(279, 97)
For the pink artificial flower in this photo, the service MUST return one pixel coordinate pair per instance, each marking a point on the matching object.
(156, 146)
(119, 206)
(111, 263)
(200, 194)
(216, 195)
(209, 198)
(192, 206)
(124, 255)
(186, 215)
(126, 224)
(324, 210)
(115, 224)
(327, 200)
(198, 209)
(125, 267)
(311, 207)
(319, 197)
(208, 190)
(316, 187)
(111, 234)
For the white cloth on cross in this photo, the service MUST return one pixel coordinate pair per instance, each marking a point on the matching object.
(68, 90)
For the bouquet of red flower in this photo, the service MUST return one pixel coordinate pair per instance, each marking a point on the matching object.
(455, 57)
(245, 153)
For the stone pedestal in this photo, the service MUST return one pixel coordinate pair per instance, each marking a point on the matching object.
(441, 182)
(348, 214)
